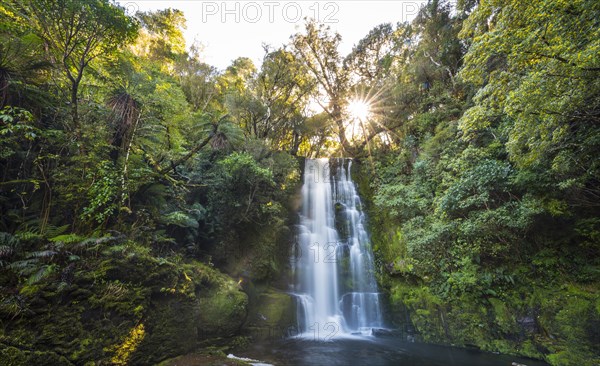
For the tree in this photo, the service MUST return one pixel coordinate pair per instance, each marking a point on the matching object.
(283, 86)
(77, 32)
(371, 59)
(537, 66)
(161, 38)
(318, 50)
(440, 51)
(198, 80)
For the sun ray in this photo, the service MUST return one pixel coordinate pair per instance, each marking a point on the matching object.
(359, 109)
(364, 109)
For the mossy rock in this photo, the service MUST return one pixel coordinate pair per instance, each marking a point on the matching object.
(171, 329)
(137, 310)
(274, 315)
(223, 311)
(12, 356)
(342, 221)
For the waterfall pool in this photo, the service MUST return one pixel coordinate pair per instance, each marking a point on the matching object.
(373, 351)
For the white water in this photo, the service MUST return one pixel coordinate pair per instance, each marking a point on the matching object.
(334, 285)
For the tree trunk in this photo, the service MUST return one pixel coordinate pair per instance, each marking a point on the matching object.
(339, 121)
(74, 110)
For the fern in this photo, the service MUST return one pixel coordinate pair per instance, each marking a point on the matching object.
(41, 254)
(54, 231)
(6, 251)
(12, 305)
(42, 273)
(89, 242)
(8, 239)
(28, 235)
(8, 246)
(24, 267)
(115, 249)
(29, 230)
(180, 219)
(66, 238)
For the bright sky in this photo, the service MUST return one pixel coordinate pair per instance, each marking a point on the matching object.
(231, 29)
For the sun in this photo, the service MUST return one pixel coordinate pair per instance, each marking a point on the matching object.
(364, 116)
(359, 112)
(359, 109)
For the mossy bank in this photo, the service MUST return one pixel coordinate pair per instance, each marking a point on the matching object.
(127, 308)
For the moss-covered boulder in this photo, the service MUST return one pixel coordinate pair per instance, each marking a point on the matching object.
(273, 316)
(222, 311)
(171, 327)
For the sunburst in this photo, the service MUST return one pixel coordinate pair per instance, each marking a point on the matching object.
(359, 109)
(364, 111)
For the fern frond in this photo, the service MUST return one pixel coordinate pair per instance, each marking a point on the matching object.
(12, 306)
(54, 231)
(28, 235)
(6, 251)
(43, 272)
(66, 238)
(41, 254)
(24, 267)
(8, 243)
(93, 243)
(22, 264)
(114, 249)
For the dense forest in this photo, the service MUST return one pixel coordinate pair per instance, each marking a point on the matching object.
(147, 198)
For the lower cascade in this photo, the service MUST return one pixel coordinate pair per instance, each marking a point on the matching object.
(332, 262)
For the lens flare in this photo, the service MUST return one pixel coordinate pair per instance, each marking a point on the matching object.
(359, 109)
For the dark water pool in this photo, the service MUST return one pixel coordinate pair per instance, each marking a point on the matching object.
(373, 351)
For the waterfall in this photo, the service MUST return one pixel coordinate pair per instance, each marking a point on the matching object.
(332, 263)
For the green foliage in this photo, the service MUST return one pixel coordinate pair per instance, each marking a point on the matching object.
(102, 194)
(240, 190)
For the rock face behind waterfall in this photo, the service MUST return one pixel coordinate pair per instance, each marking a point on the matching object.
(334, 285)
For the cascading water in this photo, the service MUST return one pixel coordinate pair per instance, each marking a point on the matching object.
(334, 285)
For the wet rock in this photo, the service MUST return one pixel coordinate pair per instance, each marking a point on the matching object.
(528, 324)
(382, 332)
